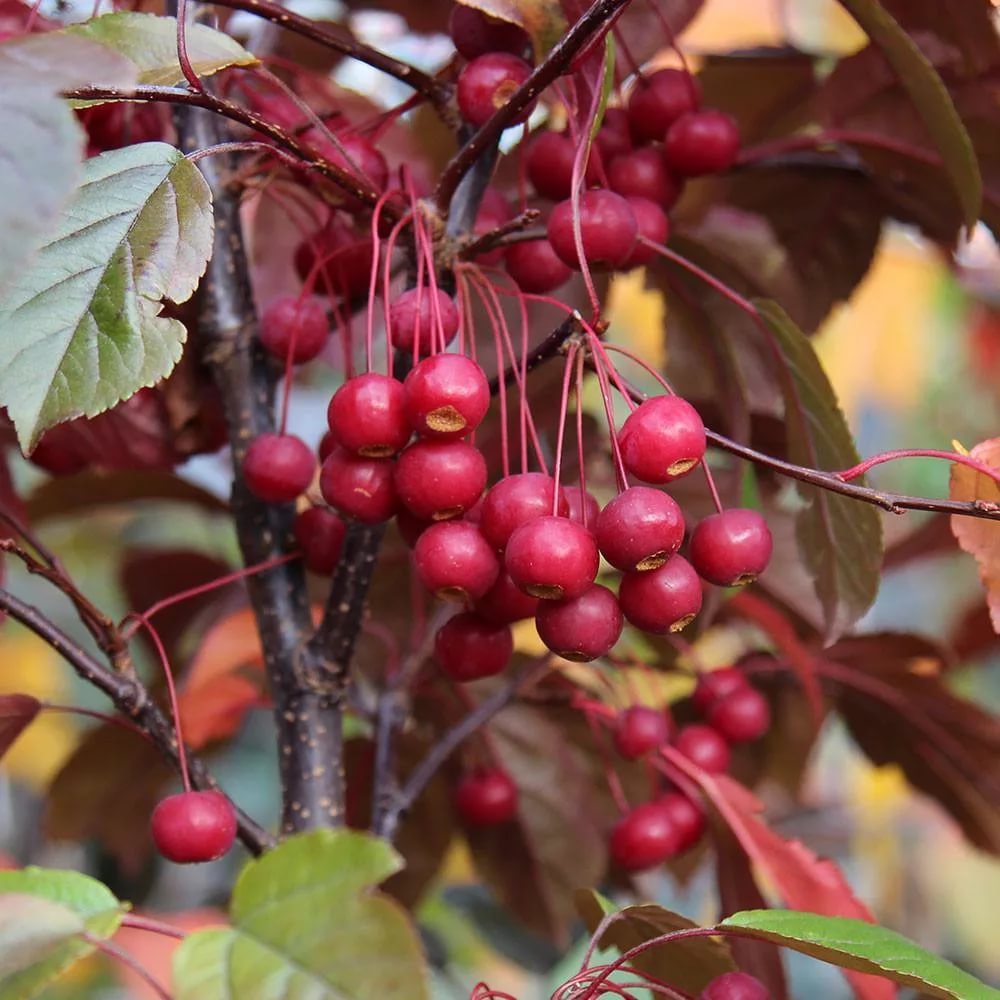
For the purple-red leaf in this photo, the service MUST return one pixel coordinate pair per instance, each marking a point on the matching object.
(16, 713)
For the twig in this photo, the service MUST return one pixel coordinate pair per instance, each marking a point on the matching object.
(548, 348)
(436, 91)
(551, 67)
(497, 237)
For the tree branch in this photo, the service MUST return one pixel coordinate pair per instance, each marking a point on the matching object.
(551, 346)
(132, 699)
(554, 64)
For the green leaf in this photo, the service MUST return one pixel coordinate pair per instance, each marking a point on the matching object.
(306, 923)
(42, 141)
(689, 964)
(82, 329)
(840, 539)
(150, 42)
(607, 85)
(543, 20)
(864, 947)
(43, 917)
(931, 99)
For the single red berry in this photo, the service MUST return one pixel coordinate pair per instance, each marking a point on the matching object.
(193, 827)
(552, 557)
(582, 506)
(447, 396)
(505, 603)
(653, 225)
(337, 258)
(367, 416)
(438, 480)
(535, 267)
(580, 628)
(662, 439)
(359, 156)
(468, 648)
(475, 33)
(643, 838)
(514, 501)
(661, 600)
(686, 816)
(643, 173)
(613, 137)
(296, 323)
(658, 100)
(278, 467)
(735, 986)
(702, 142)
(715, 684)
(454, 562)
(487, 83)
(360, 488)
(424, 319)
(486, 797)
(608, 230)
(703, 746)
(731, 548)
(320, 535)
(639, 730)
(741, 716)
(640, 529)
(548, 162)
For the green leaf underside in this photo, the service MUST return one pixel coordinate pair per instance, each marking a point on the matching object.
(150, 42)
(43, 915)
(306, 925)
(82, 329)
(840, 538)
(931, 99)
(864, 947)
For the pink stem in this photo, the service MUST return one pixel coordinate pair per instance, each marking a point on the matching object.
(890, 456)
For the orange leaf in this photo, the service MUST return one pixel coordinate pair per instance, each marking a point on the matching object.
(214, 710)
(977, 536)
(230, 644)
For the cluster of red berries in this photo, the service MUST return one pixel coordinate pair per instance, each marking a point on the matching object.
(655, 831)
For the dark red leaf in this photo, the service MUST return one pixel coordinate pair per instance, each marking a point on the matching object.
(17, 711)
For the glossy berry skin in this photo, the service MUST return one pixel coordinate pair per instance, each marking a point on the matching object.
(656, 102)
(367, 416)
(438, 480)
(295, 323)
(703, 746)
(686, 816)
(661, 600)
(193, 827)
(732, 548)
(548, 162)
(360, 488)
(716, 684)
(454, 562)
(643, 173)
(475, 33)
(422, 319)
(486, 797)
(607, 228)
(505, 603)
(552, 557)
(468, 648)
(514, 501)
(581, 628)
(741, 716)
(653, 225)
(583, 507)
(446, 396)
(643, 838)
(639, 730)
(487, 83)
(702, 142)
(320, 535)
(535, 267)
(735, 986)
(662, 439)
(640, 529)
(278, 467)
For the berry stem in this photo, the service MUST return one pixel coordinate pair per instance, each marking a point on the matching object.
(569, 366)
(187, 69)
(154, 926)
(955, 457)
(119, 954)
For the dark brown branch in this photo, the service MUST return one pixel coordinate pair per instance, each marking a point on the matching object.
(131, 699)
(498, 237)
(437, 92)
(554, 64)
(551, 346)
(344, 179)
(308, 719)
